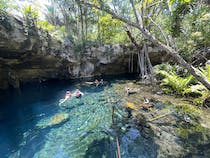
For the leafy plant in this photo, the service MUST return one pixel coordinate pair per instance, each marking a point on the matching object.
(170, 79)
(29, 12)
(206, 72)
(46, 25)
(59, 33)
(3, 5)
(112, 30)
(178, 84)
(199, 89)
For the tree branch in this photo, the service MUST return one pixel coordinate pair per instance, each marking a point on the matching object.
(134, 10)
(131, 38)
(158, 26)
(153, 39)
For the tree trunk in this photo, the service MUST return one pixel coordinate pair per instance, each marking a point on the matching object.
(86, 22)
(196, 73)
(99, 30)
(81, 23)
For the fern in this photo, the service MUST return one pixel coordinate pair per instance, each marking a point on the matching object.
(206, 72)
(183, 85)
(176, 83)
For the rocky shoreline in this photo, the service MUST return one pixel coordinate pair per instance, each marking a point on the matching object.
(177, 127)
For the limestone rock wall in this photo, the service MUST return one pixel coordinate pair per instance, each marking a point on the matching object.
(28, 54)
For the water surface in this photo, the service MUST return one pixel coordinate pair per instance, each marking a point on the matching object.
(88, 132)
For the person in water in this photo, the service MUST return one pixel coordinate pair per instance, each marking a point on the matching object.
(77, 93)
(96, 82)
(99, 83)
(67, 96)
(129, 90)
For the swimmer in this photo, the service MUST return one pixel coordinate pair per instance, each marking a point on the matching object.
(67, 96)
(99, 83)
(77, 93)
(96, 82)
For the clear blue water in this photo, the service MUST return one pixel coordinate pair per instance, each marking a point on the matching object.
(25, 131)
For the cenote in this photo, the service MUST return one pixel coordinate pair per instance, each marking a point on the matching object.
(83, 128)
(158, 108)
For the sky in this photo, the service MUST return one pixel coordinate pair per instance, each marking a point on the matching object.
(38, 5)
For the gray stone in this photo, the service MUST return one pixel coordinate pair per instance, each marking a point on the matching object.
(32, 54)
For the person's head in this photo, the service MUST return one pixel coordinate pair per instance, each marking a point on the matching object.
(77, 91)
(68, 92)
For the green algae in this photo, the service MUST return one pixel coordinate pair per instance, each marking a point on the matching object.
(54, 120)
(187, 109)
(186, 131)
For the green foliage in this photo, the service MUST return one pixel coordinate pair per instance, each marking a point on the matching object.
(6, 6)
(185, 85)
(30, 13)
(165, 67)
(195, 34)
(189, 110)
(59, 33)
(195, 90)
(199, 130)
(46, 25)
(112, 29)
(187, 20)
(200, 89)
(201, 101)
(201, 29)
(178, 84)
(181, 9)
(206, 72)
(3, 5)
(170, 79)
(170, 2)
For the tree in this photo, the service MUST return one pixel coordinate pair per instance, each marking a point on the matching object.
(148, 35)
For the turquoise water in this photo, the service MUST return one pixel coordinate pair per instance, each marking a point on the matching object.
(86, 131)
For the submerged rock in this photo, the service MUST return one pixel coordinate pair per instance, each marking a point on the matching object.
(54, 120)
